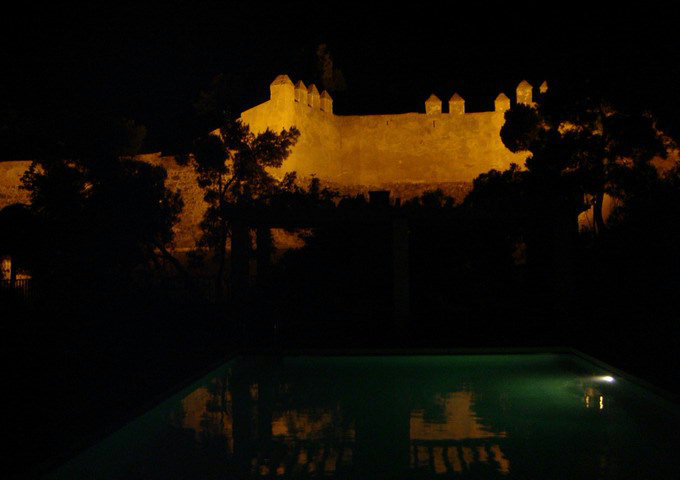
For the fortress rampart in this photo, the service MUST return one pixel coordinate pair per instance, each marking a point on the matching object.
(433, 147)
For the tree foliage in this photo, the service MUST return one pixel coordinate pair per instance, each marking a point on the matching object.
(582, 147)
(233, 169)
(102, 213)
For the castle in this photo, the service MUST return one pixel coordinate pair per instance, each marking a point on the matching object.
(375, 150)
(406, 153)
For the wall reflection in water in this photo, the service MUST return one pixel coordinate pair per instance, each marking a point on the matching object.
(300, 427)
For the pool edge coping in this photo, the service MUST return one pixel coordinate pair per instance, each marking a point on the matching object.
(668, 397)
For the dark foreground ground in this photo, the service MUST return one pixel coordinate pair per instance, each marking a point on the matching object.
(72, 376)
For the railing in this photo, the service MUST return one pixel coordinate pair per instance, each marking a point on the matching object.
(21, 288)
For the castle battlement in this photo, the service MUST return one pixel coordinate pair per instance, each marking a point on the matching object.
(417, 147)
(284, 93)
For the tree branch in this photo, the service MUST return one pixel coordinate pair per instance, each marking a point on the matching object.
(168, 256)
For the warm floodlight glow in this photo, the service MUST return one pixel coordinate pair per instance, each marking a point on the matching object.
(605, 378)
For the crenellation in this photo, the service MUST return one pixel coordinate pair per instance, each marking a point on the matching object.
(524, 93)
(313, 97)
(433, 105)
(502, 103)
(326, 102)
(301, 93)
(282, 87)
(456, 105)
(282, 90)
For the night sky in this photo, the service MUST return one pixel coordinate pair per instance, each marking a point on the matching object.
(151, 63)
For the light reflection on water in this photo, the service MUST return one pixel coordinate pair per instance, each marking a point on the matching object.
(418, 417)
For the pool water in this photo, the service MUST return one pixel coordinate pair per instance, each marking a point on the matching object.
(461, 416)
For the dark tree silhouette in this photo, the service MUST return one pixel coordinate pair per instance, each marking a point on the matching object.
(504, 198)
(103, 214)
(431, 199)
(232, 168)
(582, 147)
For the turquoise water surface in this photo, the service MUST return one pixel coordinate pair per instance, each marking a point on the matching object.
(545, 416)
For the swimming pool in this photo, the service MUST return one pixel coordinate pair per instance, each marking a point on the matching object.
(459, 416)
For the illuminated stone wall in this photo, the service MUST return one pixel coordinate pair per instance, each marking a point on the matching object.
(432, 147)
(183, 179)
(10, 180)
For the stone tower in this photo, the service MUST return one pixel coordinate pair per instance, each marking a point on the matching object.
(326, 102)
(456, 105)
(524, 93)
(301, 93)
(313, 97)
(282, 90)
(433, 105)
(502, 103)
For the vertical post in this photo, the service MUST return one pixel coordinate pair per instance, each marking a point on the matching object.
(265, 411)
(264, 253)
(400, 248)
(242, 419)
(12, 274)
(239, 257)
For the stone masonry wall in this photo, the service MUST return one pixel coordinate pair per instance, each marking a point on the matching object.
(10, 180)
(430, 147)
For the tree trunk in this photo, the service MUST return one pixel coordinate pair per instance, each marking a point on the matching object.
(239, 257)
(168, 256)
(264, 253)
(12, 273)
(597, 212)
(221, 260)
